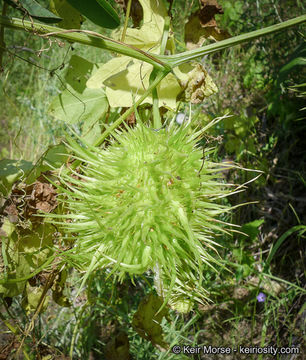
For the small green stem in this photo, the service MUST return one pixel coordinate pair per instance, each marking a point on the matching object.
(119, 121)
(157, 122)
(76, 328)
(155, 107)
(165, 36)
(126, 21)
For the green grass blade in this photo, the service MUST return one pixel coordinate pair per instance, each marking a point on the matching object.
(280, 241)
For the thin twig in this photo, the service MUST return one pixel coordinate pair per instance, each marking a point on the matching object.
(2, 43)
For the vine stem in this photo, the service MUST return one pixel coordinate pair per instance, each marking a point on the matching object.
(85, 37)
(179, 59)
(157, 123)
(161, 62)
(127, 16)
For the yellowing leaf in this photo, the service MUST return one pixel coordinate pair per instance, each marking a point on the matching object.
(126, 80)
(155, 12)
(196, 33)
(130, 81)
(149, 35)
(167, 91)
(32, 298)
(105, 71)
(129, 85)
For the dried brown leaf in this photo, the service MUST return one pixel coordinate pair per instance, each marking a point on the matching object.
(26, 200)
(202, 25)
(209, 9)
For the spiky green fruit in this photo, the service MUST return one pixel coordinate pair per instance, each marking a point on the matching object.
(149, 201)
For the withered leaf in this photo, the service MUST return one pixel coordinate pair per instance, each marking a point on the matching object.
(197, 84)
(208, 11)
(26, 200)
(58, 288)
(202, 25)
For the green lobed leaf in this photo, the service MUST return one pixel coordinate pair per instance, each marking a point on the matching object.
(78, 103)
(126, 80)
(252, 229)
(54, 158)
(72, 107)
(99, 12)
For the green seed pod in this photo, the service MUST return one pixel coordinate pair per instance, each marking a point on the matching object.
(147, 201)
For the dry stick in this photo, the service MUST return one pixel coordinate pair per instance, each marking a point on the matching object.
(2, 43)
(15, 331)
(40, 305)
